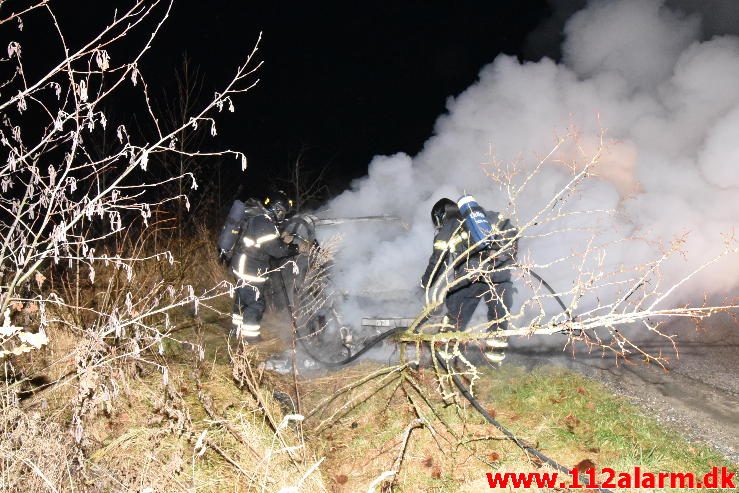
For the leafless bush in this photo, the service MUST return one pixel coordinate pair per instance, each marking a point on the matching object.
(177, 105)
(306, 185)
(75, 220)
(313, 308)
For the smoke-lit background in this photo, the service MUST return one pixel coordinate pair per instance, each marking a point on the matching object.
(661, 78)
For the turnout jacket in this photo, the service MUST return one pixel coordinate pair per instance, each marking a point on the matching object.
(259, 243)
(452, 240)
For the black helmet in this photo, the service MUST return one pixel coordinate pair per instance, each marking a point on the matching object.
(278, 205)
(441, 210)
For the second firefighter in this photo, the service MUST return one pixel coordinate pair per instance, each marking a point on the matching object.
(473, 273)
(258, 245)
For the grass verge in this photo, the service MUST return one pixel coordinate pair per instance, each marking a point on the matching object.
(202, 431)
(572, 419)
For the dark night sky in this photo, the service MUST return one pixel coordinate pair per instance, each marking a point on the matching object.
(342, 80)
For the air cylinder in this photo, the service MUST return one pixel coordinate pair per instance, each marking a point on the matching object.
(232, 227)
(475, 221)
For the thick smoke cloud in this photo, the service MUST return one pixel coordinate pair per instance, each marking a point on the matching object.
(717, 17)
(667, 97)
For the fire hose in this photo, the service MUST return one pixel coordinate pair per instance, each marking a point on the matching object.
(528, 449)
(490, 419)
(554, 293)
(519, 443)
(389, 333)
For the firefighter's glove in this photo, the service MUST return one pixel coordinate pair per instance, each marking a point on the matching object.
(304, 246)
(287, 237)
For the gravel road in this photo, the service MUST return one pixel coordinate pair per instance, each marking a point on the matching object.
(698, 396)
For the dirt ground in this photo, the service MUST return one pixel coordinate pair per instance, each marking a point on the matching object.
(698, 396)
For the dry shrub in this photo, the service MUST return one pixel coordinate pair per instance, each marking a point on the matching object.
(85, 255)
(36, 452)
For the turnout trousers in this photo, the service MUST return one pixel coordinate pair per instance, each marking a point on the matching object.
(498, 298)
(247, 311)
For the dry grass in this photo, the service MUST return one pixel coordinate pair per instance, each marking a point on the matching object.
(148, 436)
(567, 416)
(241, 451)
(36, 452)
(90, 413)
(215, 425)
(148, 433)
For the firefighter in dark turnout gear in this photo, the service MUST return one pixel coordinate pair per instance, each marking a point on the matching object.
(494, 287)
(298, 229)
(258, 244)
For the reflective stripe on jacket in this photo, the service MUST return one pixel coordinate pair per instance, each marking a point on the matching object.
(259, 242)
(452, 240)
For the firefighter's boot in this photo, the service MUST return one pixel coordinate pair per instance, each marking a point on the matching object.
(495, 349)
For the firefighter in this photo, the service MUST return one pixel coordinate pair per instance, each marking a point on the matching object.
(493, 284)
(298, 229)
(258, 245)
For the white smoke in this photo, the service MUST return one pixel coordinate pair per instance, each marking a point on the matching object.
(668, 98)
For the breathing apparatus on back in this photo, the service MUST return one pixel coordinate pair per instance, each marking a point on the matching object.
(239, 215)
(231, 229)
(476, 222)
